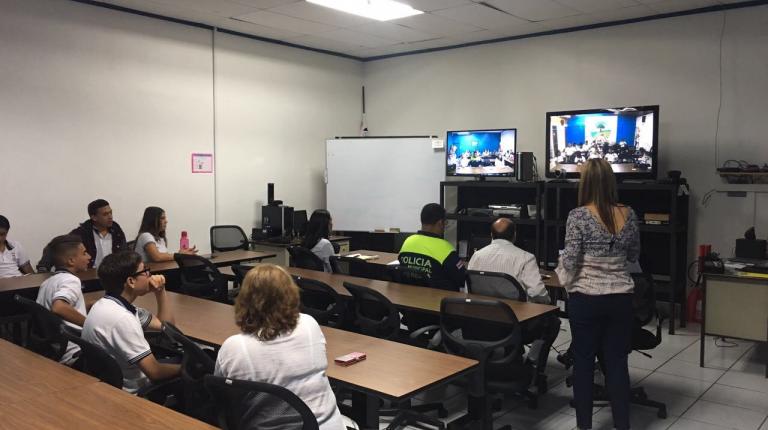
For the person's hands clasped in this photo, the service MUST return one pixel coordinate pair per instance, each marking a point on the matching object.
(157, 283)
(189, 251)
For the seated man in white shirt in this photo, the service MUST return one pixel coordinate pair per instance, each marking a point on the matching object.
(503, 256)
(114, 324)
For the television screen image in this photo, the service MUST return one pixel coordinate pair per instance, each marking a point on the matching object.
(625, 137)
(481, 152)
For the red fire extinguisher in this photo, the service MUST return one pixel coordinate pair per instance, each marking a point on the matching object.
(694, 305)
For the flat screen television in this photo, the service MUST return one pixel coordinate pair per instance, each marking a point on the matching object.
(481, 152)
(628, 138)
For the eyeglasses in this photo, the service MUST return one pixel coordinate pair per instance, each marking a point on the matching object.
(145, 272)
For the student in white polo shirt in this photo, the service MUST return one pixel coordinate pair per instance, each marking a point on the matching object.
(116, 325)
(151, 242)
(13, 259)
(279, 345)
(62, 293)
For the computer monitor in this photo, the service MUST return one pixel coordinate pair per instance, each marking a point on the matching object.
(300, 223)
(627, 137)
(481, 152)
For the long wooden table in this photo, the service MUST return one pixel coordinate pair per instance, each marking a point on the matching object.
(218, 259)
(382, 258)
(413, 297)
(37, 393)
(392, 370)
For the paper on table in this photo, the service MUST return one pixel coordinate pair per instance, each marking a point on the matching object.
(394, 263)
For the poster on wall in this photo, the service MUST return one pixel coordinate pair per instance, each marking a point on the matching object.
(202, 163)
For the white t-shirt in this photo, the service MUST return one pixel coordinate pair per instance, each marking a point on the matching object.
(68, 288)
(145, 239)
(296, 361)
(324, 249)
(11, 259)
(114, 327)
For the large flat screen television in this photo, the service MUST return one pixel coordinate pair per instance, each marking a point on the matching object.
(481, 152)
(628, 138)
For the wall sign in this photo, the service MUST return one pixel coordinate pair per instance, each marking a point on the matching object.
(202, 163)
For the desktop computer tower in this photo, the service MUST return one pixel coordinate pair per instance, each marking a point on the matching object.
(277, 220)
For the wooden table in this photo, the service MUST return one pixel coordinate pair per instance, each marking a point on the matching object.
(93, 406)
(383, 258)
(414, 297)
(281, 257)
(392, 370)
(26, 375)
(218, 259)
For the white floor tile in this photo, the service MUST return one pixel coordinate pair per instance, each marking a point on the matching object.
(603, 420)
(686, 424)
(657, 360)
(725, 416)
(715, 357)
(675, 385)
(765, 425)
(691, 370)
(749, 381)
(739, 397)
(549, 422)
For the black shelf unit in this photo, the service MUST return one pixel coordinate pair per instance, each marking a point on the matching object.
(664, 246)
(480, 194)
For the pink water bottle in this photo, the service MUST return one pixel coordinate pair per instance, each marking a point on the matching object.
(184, 242)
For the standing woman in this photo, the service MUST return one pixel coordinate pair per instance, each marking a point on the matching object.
(151, 242)
(601, 237)
(318, 236)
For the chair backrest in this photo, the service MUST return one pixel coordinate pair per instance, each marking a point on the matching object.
(228, 238)
(481, 330)
(374, 314)
(45, 336)
(240, 270)
(94, 360)
(495, 284)
(246, 405)
(196, 363)
(644, 308)
(305, 259)
(200, 278)
(319, 300)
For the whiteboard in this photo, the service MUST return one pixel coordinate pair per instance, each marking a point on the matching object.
(381, 182)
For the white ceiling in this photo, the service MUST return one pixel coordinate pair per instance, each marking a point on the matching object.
(444, 23)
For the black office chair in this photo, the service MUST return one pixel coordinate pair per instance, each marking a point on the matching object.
(505, 286)
(200, 278)
(196, 363)
(45, 336)
(95, 361)
(305, 259)
(228, 238)
(406, 275)
(495, 284)
(246, 405)
(418, 322)
(240, 270)
(321, 301)
(488, 331)
(374, 315)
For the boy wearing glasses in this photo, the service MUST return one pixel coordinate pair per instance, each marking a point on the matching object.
(62, 293)
(117, 326)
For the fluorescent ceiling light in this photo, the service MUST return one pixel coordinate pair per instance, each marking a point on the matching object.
(382, 10)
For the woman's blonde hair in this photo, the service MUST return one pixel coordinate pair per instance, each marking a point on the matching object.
(598, 187)
(268, 303)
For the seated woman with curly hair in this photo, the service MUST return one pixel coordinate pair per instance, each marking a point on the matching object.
(279, 345)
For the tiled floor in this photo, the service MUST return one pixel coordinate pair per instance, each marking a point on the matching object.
(731, 392)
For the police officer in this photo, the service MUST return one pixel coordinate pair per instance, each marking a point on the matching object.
(427, 253)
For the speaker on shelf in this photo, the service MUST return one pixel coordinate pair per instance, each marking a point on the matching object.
(525, 166)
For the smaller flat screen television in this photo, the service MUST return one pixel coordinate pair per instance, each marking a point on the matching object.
(481, 152)
(628, 138)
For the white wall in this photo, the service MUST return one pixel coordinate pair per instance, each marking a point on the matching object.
(99, 103)
(672, 62)
(96, 103)
(275, 106)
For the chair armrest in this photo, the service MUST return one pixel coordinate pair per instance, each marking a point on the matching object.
(436, 338)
